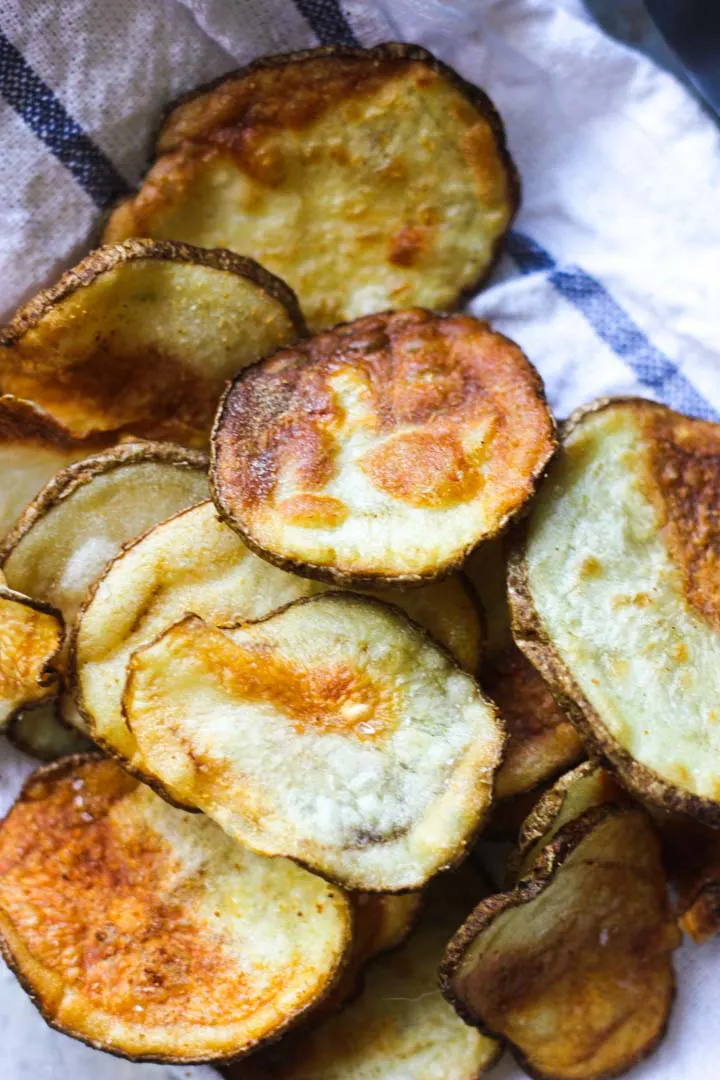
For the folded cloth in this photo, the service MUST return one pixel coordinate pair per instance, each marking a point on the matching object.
(611, 282)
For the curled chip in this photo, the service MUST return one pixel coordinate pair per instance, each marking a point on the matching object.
(382, 450)
(145, 931)
(573, 967)
(615, 596)
(39, 733)
(32, 449)
(334, 732)
(399, 1028)
(142, 337)
(88, 511)
(195, 563)
(542, 741)
(367, 178)
(31, 636)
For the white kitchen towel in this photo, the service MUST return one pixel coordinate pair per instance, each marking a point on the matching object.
(611, 282)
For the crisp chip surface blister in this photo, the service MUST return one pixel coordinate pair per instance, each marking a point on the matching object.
(146, 931)
(141, 337)
(31, 637)
(195, 563)
(383, 450)
(334, 732)
(615, 596)
(366, 178)
(573, 967)
(76, 524)
(399, 1028)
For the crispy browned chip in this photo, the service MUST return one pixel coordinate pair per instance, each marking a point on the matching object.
(33, 447)
(367, 178)
(142, 336)
(383, 450)
(39, 733)
(399, 1028)
(31, 636)
(145, 931)
(194, 562)
(542, 741)
(573, 966)
(334, 731)
(615, 599)
(692, 857)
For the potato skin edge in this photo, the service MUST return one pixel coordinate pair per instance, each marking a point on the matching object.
(533, 640)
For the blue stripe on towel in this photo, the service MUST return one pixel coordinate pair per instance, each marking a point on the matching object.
(35, 103)
(328, 21)
(613, 326)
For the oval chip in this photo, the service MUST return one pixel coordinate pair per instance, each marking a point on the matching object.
(195, 563)
(399, 1028)
(146, 931)
(31, 637)
(383, 450)
(81, 519)
(141, 337)
(615, 598)
(334, 732)
(367, 178)
(573, 967)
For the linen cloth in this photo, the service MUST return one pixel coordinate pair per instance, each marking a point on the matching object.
(611, 282)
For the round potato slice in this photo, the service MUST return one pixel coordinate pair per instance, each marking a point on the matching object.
(400, 1028)
(615, 600)
(542, 741)
(195, 563)
(145, 931)
(88, 511)
(141, 337)
(382, 450)
(39, 733)
(367, 178)
(573, 967)
(31, 637)
(32, 449)
(334, 732)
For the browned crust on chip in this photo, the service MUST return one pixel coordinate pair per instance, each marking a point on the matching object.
(56, 770)
(75, 476)
(392, 50)
(549, 805)
(23, 421)
(335, 575)
(107, 258)
(532, 638)
(549, 862)
(50, 675)
(348, 885)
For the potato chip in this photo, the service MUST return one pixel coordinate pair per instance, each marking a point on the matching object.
(367, 178)
(40, 734)
(615, 598)
(334, 732)
(31, 636)
(195, 563)
(573, 967)
(145, 931)
(142, 336)
(399, 1028)
(383, 450)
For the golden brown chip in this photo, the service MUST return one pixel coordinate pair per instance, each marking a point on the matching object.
(334, 731)
(542, 741)
(39, 733)
(615, 601)
(141, 337)
(194, 562)
(31, 636)
(32, 449)
(383, 450)
(146, 931)
(399, 1028)
(367, 178)
(573, 967)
